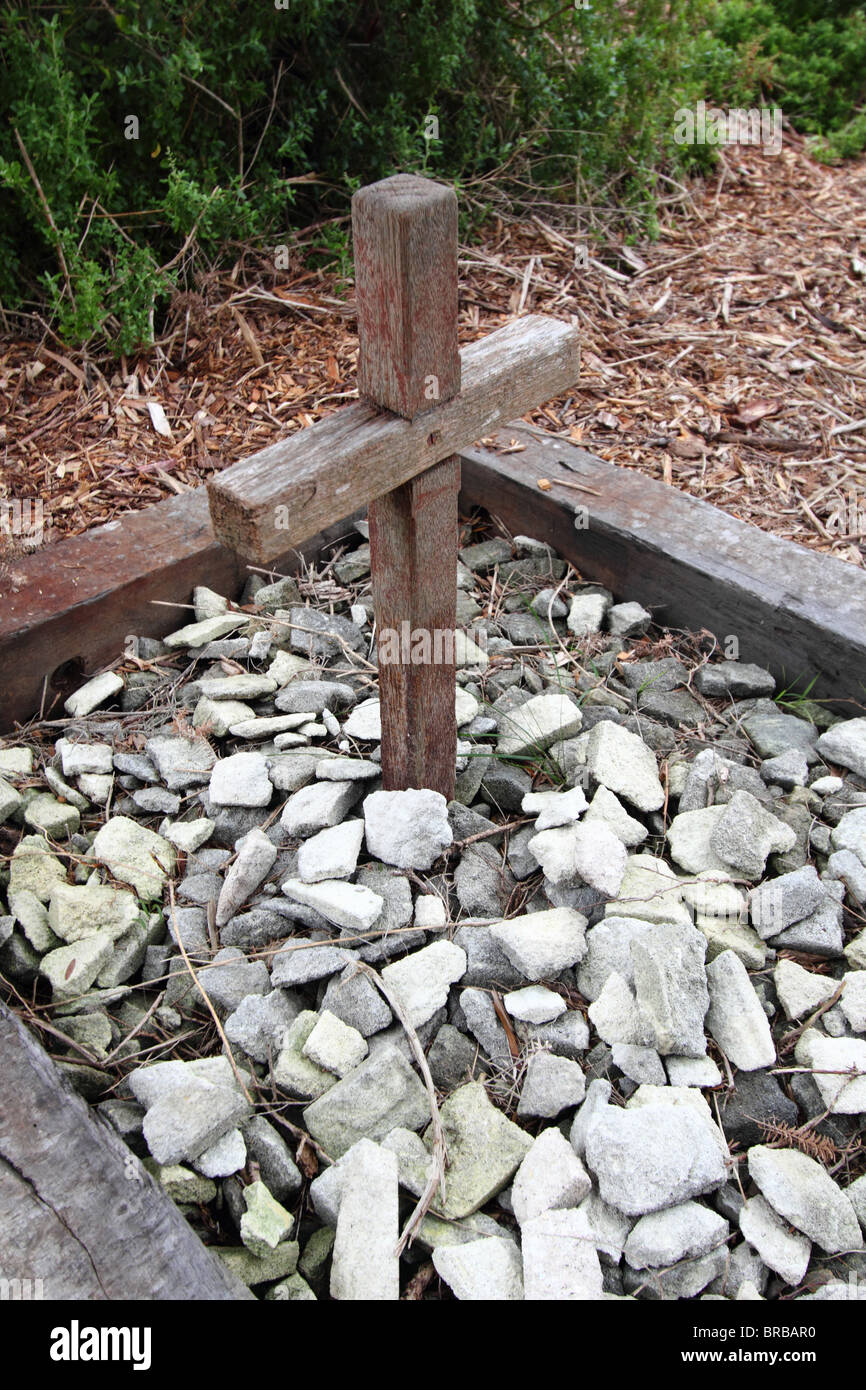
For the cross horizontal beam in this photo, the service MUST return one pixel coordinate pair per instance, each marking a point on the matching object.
(264, 505)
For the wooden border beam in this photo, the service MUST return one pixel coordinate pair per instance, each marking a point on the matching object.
(794, 610)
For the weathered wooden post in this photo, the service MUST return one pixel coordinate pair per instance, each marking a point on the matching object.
(405, 233)
(421, 401)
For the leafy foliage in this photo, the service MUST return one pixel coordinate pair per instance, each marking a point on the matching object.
(143, 140)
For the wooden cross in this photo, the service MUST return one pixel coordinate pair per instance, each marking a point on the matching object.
(421, 400)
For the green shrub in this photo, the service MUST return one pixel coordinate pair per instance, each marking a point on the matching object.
(252, 120)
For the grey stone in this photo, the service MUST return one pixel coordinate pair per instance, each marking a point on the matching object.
(227, 1156)
(673, 707)
(850, 833)
(451, 1057)
(482, 884)
(551, 1084)
(260, 1022)
(845, 745)
(746, 833)
(312, 697)
(357, 1002)
(334, 1045)
(820, 934)
(787, 770)
(321, 636)
(741, 680)
(291, 966)
(506, 786)
(566, 1036)
(608, 810)
(802, 1192)
(230, 977)
(271, 1152)
(317, 807)
(608, 950)
(191, 1117)
(483, 1022)
(779, 902)
(380, 1095)
(628, 620)
(773, 733)
(255, 859)
(487, 964)
(666, 674)
(845, 866)
(181, 762)
(639, 1064)
(757, 1101)
(671, 988)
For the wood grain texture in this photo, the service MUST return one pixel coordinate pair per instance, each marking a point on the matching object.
(77, 1210)
(413, 539)
(405, 250)
(358, 453)
(795, 611)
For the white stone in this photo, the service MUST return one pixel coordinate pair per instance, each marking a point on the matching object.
(188, 835)
(422, 980)
(364, 1265)
(853, 1001)
(317, 807)
(409, 829)
(653, 1156)
(560, 1262)
(332, 853)
(93, 694)
(84, 757)
(651, 891)
(693, 1071)
(590, 854)
(227, 1156)
(487, 1270)
(554, 808)
(208, 630)
(735, 1017)
(845, 745)
(780, 1248)
(689, 835)
(348, 905)
(534, 1004)
(617, 1017)
(135, 855)
(335, 1045)
(800, 991)
(551, 1175)
(683, 1232)
(538, 723)
(609, 810)
(551, 1084)
(241, 780)
(621, 761)
(841, 1095)
(586, 613)
(430, 911)
(542, 944)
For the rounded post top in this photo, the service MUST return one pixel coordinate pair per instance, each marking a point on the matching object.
(404, 193)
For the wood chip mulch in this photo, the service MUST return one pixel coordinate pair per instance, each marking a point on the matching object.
(728, 358)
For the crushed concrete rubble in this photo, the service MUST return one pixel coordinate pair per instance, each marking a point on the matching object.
(621, 976)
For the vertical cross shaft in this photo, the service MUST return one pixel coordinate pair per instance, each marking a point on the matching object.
(405, 233)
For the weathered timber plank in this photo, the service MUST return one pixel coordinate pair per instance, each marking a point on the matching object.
(793, 610)
(413, 531)
(75, 605)
(265, 504)
(77, 1210)
(80, 598)
(405, 249)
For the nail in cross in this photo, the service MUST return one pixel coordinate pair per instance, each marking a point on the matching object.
(396, 449)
